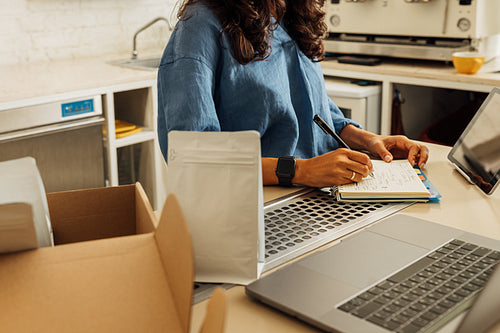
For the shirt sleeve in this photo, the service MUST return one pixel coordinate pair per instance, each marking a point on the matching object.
(186, 80)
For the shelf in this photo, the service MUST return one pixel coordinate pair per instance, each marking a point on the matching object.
(134, 158)
(142, 136)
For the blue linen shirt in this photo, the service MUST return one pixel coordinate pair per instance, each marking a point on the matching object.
(201, 87)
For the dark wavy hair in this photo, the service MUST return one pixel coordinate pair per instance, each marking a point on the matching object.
(247, 24)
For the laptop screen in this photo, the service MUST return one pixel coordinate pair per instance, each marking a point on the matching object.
(477, 152)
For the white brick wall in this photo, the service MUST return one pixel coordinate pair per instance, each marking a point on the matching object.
(44, 30)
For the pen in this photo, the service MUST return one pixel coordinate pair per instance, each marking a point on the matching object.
(328, 130)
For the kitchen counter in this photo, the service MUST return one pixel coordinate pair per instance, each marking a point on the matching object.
(488, 75)
(40, 82)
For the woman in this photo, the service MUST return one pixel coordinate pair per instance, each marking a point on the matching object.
(254, 65)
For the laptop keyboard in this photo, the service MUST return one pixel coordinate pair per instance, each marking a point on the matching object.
(422, 296)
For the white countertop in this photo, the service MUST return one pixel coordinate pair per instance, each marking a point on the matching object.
(26, 83)
(431, 70)
(23, 84)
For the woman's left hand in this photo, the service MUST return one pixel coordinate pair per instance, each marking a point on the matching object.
(398, 146)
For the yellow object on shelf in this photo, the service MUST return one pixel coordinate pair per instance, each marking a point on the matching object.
(123, 129)
(127, 133)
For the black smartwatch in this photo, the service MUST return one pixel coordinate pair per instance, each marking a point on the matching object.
(285, 170)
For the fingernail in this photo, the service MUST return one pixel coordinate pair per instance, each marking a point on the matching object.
(387, 158)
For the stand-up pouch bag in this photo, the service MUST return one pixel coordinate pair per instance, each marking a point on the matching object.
(217, 177)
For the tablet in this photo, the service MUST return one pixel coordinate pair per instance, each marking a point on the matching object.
(476, 154)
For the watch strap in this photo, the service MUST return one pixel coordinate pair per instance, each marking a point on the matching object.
(285, 170)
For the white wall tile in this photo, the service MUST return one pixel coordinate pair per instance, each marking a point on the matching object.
(43, 30)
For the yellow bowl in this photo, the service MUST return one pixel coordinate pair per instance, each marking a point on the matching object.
(467, 62)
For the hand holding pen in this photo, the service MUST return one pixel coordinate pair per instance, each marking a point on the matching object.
(329, 131)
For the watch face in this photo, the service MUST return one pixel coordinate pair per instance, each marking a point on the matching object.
(286, 167)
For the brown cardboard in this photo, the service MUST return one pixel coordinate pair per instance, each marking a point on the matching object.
(215, 317)
(98, 213)
(123, 278)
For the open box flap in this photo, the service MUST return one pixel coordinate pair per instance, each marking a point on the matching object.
(116, 284)
(144, 213)
(216, 313)
(125, 284)
(98, 213)
(90, 214)
(176, 251)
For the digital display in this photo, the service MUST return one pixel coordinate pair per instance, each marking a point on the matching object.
(477, 151)
(76, 108)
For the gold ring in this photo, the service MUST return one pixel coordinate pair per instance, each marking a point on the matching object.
(353, 175)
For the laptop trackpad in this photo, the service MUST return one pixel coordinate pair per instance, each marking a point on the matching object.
(363, 259)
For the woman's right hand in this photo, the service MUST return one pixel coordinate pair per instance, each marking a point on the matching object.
(341, 166)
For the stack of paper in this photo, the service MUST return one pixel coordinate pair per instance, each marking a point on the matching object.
(24, 213)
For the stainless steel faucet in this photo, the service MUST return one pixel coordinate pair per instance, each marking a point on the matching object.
(134, 51)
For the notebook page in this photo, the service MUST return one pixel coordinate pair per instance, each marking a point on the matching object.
(395, 178)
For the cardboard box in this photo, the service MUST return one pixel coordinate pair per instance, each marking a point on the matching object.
(111, 270)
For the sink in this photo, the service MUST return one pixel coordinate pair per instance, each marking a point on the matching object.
(150, 64)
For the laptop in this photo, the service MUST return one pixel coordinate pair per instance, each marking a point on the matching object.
(402, 274)
(476, 154)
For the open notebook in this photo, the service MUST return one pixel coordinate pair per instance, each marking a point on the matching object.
(395, 181)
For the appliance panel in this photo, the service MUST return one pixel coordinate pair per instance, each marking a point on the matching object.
(431, 18)
(390, 18)
(418, 29)
(65, 138)
(50, 113)
(67, 160)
